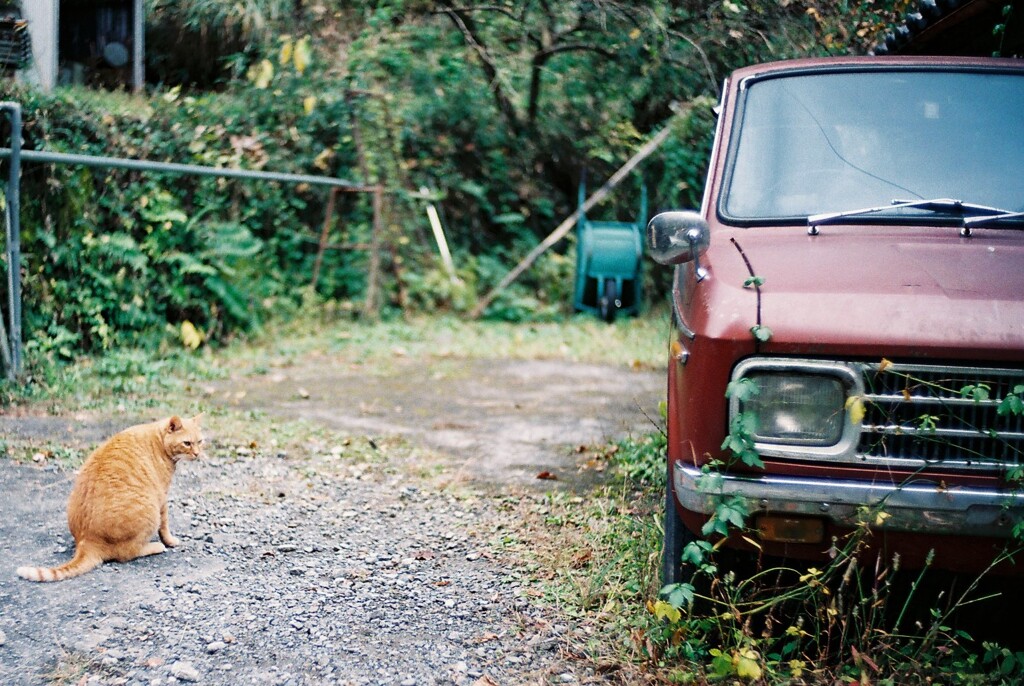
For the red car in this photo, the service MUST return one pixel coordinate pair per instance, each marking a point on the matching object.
(848, 348)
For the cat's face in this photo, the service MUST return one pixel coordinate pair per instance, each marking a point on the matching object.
(183, 438)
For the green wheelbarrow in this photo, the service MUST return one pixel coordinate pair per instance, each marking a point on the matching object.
(608, 263)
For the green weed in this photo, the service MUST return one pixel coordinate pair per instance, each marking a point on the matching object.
(744, 619)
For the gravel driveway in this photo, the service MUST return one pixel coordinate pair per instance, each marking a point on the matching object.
(310, 566)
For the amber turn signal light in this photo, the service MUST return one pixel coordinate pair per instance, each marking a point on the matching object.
(786, 529)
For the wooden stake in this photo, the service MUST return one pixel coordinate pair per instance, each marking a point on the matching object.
(371, 306)
(324, 235)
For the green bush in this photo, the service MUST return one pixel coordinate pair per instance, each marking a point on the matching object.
(471, 103)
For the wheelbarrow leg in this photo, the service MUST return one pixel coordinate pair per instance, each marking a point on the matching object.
(611, 299)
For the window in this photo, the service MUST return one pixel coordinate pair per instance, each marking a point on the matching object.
(823, 142)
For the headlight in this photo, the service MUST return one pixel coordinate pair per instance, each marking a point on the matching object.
(803, 409)
(799, 405)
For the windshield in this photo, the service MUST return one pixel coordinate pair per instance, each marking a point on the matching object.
(830, 142)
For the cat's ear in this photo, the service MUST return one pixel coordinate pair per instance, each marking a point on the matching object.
(174, 423)
(198, 417)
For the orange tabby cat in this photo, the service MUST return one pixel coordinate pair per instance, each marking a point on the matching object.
(119, 500)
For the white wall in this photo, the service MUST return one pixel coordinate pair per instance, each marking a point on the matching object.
(42, 18)
(139, 30)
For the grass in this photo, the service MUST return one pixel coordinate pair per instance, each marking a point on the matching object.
(595, 557)
(638, 342)
(141, 380)
(71, 668)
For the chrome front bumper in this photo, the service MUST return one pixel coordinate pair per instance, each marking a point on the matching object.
(915, 507)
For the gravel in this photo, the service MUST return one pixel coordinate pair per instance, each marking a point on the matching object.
(291, 571)
(309, 566)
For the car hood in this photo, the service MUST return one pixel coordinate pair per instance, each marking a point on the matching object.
(897, 291)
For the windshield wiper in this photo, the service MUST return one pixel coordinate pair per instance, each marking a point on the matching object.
(934, 205)
(982, 222)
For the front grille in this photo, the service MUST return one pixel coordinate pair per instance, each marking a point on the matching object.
(923, 415)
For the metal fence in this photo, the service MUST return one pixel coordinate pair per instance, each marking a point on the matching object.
(12, 352)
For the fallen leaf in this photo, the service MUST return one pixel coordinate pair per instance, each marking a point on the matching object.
(484, 638)
(856, 409)
(547, 475)
(869, 662)
(581, 558)
(747, 663)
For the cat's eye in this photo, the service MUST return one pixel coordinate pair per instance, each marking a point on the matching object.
(188, 444)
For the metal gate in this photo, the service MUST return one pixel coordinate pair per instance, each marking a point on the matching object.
(13, 360)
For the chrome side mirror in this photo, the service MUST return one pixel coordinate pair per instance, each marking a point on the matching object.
(678, 237)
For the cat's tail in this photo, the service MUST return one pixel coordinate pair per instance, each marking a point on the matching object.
(83, 561)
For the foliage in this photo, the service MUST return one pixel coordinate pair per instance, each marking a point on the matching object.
(863, 617)
(496, 109)
(190, 41)
(641, 460)
(125, 258)
(858, 619)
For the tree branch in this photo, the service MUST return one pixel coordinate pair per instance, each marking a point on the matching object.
(504, 102)
(481, 8)
(541, 58)
(704, 58)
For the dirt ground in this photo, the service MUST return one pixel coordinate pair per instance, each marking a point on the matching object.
(502, 422)
(313, 570)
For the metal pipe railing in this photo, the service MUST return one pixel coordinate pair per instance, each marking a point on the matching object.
(175, 168)
(13, 216)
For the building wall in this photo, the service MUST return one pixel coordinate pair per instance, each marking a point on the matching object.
(139, 47)
(42, 16)
(44, 26)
